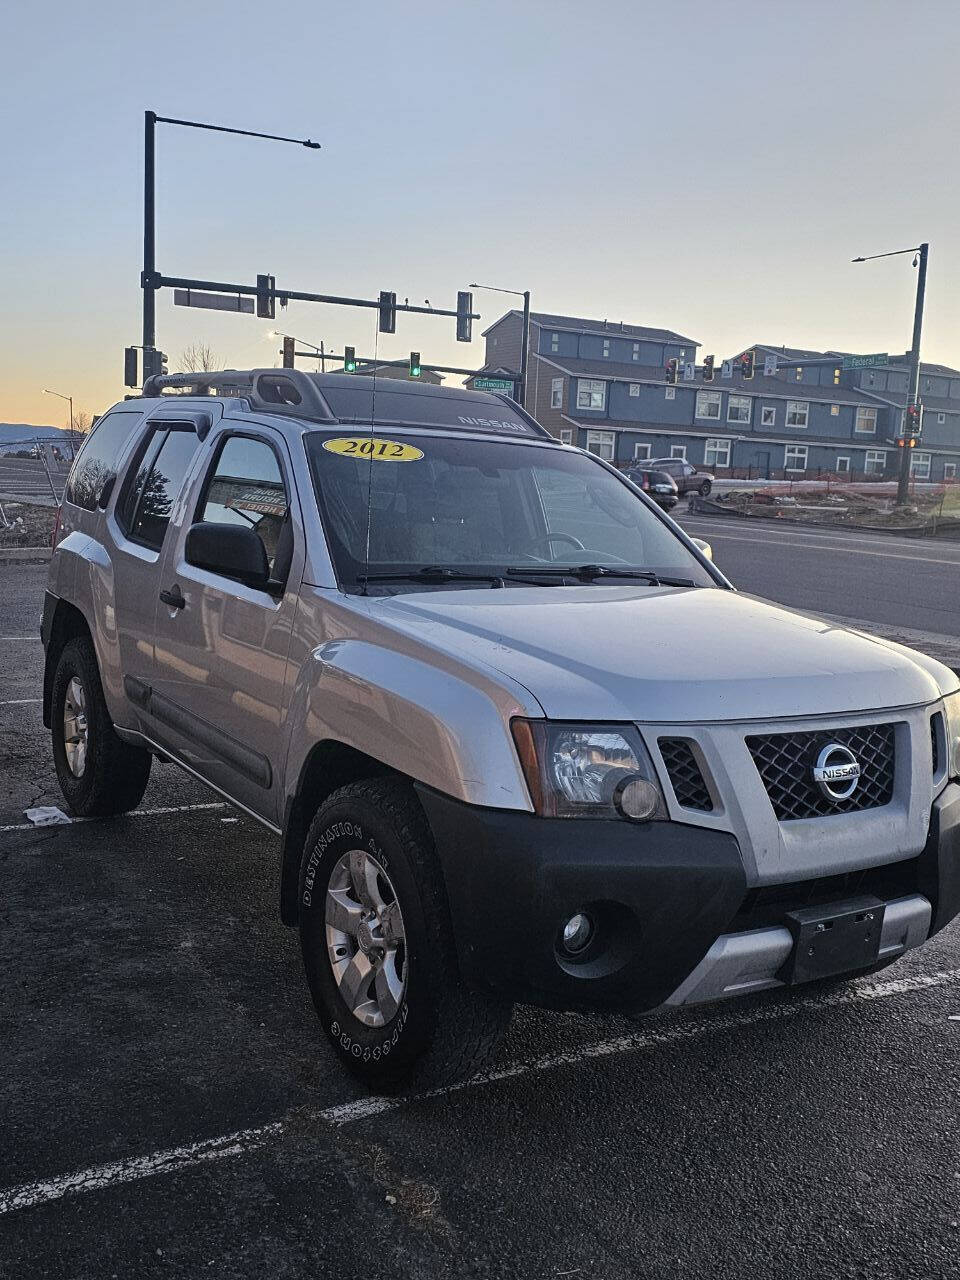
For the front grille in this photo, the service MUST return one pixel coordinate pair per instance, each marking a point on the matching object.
(685, 776)
(785, 762)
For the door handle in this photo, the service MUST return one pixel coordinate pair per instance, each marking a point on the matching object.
(174, 597)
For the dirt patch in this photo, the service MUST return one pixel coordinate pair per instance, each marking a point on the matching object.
(23, 524)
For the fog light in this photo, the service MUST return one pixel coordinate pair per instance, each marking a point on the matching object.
(637, 799)
(577, 933)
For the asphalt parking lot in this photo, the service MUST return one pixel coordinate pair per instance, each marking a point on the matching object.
(169, 1108)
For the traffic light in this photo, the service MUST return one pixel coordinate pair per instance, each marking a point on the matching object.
(414, 364)
(673, 368)
(349, 360)
(708, 368)
(464, 323)
(388, 312)
(266, 303)
(288, 348)
(748, 363)
(913, 420)
(130, 367)
(154, 363)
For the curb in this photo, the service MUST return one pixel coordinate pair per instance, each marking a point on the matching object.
(24, 555)
(921, 535)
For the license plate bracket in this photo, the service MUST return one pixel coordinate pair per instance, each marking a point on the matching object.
(840, 937)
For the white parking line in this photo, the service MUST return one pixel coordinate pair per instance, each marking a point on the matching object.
(37, 638)
(239, 1143)
(18, 702)
(136, 813)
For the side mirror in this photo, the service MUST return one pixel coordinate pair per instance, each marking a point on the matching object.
(232, 550)
(703, 547)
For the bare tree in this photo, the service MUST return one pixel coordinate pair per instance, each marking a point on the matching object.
(199, 358)
(81, 421)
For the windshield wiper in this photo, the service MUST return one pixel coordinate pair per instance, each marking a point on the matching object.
(432, 573)
(590, 572)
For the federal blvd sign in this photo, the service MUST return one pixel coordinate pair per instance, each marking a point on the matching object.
(213, 301)
(506, 386)
(864, 362)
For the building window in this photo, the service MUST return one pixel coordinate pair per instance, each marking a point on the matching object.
(556, 393)
(591, 393)
(843, 465)
(834, 411)
(679, 451)
(601, 443)
(866, 423)
(716, 453)
(941, 419)
(566, 435)
(708, 405)
(836, 377)
(554, 342)
(738, 409)
(606, 348)
(670, 393)
(799, 374)
(920, 465)
(798, 411)
(641, 451)
(795, 457)
(875, 463)
(636, 351)
(635, 388)
(949, 471)
(768, 416)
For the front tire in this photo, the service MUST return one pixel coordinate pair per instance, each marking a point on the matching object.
(705, 488)
(378, 946)
(98, 774)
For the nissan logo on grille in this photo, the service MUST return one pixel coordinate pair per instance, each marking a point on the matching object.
(837, 771)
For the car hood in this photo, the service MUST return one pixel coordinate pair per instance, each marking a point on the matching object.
(666, 654)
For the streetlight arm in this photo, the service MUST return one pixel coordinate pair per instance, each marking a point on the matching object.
(246, 133)
(893, 253)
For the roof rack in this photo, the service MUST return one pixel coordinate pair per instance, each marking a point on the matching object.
(291, 390)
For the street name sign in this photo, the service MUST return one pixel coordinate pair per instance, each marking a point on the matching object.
(504, 385)
(769, 366)
(864, 362)
(213, 301)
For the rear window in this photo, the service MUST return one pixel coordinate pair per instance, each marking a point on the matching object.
(97, 459)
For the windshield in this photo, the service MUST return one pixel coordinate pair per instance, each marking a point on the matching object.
(481, 505)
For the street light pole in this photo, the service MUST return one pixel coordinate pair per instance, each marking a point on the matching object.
(913, 381)
(524, 335)
(149, 281)
(69, 400)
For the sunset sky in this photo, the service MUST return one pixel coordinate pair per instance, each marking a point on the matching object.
(707, 167)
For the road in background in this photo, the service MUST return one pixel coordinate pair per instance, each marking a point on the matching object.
(903, 588)
(27, 480)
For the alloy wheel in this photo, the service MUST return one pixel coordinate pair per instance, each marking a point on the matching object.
(75, 731)
(366, 941)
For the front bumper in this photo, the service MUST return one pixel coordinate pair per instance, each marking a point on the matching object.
(671, 902)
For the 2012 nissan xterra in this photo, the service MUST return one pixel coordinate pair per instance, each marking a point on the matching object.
(520, 739)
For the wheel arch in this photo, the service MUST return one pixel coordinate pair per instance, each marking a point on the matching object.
(67, 623)
(329, 765)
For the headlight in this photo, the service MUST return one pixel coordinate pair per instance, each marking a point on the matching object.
(951, 717)
(588, 771)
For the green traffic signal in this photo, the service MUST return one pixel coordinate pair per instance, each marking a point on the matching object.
(414, 364)
(349, 360)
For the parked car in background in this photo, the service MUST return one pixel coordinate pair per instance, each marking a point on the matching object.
(660, 485)
(686, 475)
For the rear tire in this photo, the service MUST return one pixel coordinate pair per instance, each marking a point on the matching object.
(397, 1014)
(705, 488)
(98, 774)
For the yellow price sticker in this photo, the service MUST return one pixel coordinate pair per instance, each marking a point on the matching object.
(374, 448)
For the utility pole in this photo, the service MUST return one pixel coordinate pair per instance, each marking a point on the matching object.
(913, 384)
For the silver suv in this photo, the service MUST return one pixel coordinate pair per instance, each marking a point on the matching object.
(518, 737)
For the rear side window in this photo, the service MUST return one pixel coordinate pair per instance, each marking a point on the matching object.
(158, 484)
(97, 459)
(246, 487)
